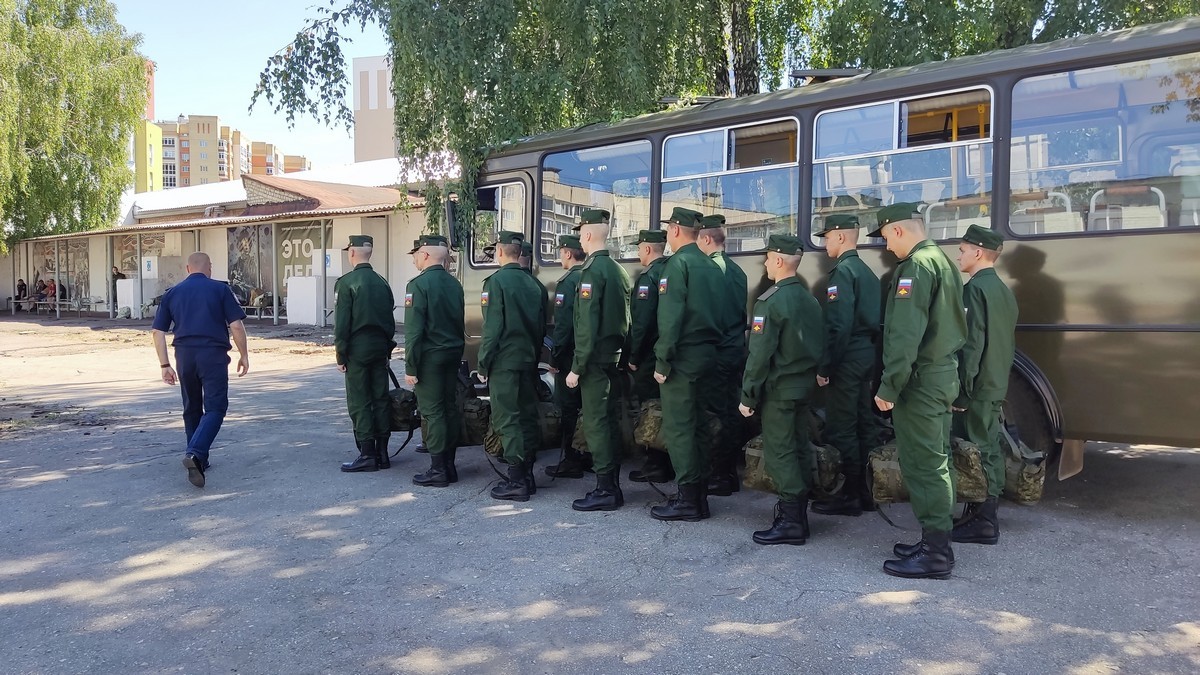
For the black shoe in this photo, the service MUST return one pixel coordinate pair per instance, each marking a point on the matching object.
(451, 470)
(606, 497)
(436, 475)
(657, 469)
(909, 550)
(573, 465)
(982, 528)
(384, 460)
(422, 448)
(514, 488)
(687, 505)
(844, 504)
(367, 461)
(933, 560)
(195, 469)
(724, 484)
(530, 481)
(790, 526)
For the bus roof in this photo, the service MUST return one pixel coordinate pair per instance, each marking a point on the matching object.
(1081, 51)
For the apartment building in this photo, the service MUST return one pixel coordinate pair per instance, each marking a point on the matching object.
(265, 159)
(374, 109)
(294, 163)
(147, 157)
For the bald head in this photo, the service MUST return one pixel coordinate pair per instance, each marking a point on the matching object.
(593, 237)
(199, 262)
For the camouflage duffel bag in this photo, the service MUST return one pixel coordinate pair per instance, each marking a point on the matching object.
(648, 430)
(887, 483)
(1024, 470)
(549, 422)
(625, 427)
(827, 476)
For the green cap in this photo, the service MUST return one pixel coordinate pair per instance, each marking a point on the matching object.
(570, 241)
(838, 221)
(357, 240)
(710, 222)
(652, 237)
(685, 217)
(785, 244)
(592, 217)
(505, 237)
(894, 214)
(983, 238)
(526, 249)
(429, 240)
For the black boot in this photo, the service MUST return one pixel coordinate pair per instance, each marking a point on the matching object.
(689, 504)
(573, 465)
(932, 561)
(606, 497)
(657, 469)
(451, 470)
(909, 550)
(513, 488)
(436, 475)
(790, 526)
(366, 458)
(530, 481)
(724, 480)
(848, 502)
(385, 460)
(982, 528)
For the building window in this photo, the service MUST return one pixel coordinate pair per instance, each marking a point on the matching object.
(187, 157)
(183, 144)
(203, 143)
(183, 169)
(204, 155)
(168, 142)
(168, 181)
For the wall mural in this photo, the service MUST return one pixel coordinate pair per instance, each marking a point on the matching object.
(251, 264)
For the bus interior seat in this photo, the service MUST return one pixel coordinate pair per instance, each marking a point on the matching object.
(1189, 190)
(1109, 210)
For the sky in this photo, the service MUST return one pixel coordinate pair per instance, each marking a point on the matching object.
(209, 55)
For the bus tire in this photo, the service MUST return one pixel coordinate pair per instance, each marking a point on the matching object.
(1026, 410)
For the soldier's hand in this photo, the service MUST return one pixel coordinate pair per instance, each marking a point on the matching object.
(822, 381)
(572, 379)
(341, 368)
(482, 378)
(168, 375)
(746, 412)
(632, 367)
(659, 377)
(884, 405)
(410, 380)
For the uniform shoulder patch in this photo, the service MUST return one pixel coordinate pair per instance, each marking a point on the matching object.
(757, 325)
(585, 291)
(408, 299)
(768, 293)
(831, 293)
(643, 292)
(483, 299)
(904, 287)
(558, 299)
(662, 286)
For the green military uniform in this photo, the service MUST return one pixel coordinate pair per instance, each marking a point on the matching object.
(786, 340)
(924, 328)
(983, 368)
(601, 327)
(727, 378)
(852, 306)
(513, 326)
(689, 330)
(562, 353)
(533, 433)
(643, 320)
(433, 348)
(363, 338)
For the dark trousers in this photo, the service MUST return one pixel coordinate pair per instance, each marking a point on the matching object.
(367, 394)
(850, 424)
(569, 404)
(514, 412)
(437, 399)
(204, 382)
(723, 398)
(922, 421)
(786, 453)
(644, 385)
(599, 389)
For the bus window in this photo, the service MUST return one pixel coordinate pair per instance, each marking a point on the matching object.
(500, 207)
(612, 177)
(754, 183)
(937, 152)
(1106, 149)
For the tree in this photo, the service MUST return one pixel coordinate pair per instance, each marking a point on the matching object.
(72, 85)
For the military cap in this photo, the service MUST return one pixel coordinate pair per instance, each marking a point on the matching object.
(357, 240)
(429, 240)
(785, 244)
(711, 222)
(592, 217)
(652, 237)
(570, 241)
(894, 214)
(685, 217)
(505, 237)
(526, 249)
(983, 238)
(837, 221)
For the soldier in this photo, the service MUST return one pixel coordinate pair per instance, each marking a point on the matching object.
(643, 333)
(364, 329)
(731, 359)
(433, 347)
(513, 325)
(601, 327)
(983, 367)
(851, 325)
(786, 340)
(924, 328)
(533, 434)
(689, 331)
(562, 353)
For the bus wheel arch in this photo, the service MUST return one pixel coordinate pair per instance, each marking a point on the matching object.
(1032, 407)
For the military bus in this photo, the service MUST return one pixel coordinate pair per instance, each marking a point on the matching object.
(1084, 153)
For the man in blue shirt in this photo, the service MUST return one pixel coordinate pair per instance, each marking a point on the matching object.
(201, 313)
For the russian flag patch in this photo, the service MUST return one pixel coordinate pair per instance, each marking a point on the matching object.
(585, 291)
(759, 323)
(643, 292)
(558, 299)
(831, 293)
(662, 286)
(904, 287)
(483, 298)
(408, 299)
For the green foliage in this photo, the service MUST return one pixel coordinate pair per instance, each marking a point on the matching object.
(72, 86)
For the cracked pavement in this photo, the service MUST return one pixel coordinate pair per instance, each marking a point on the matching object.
(112, 562)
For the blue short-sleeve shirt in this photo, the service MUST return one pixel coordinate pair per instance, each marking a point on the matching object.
(200, 311)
